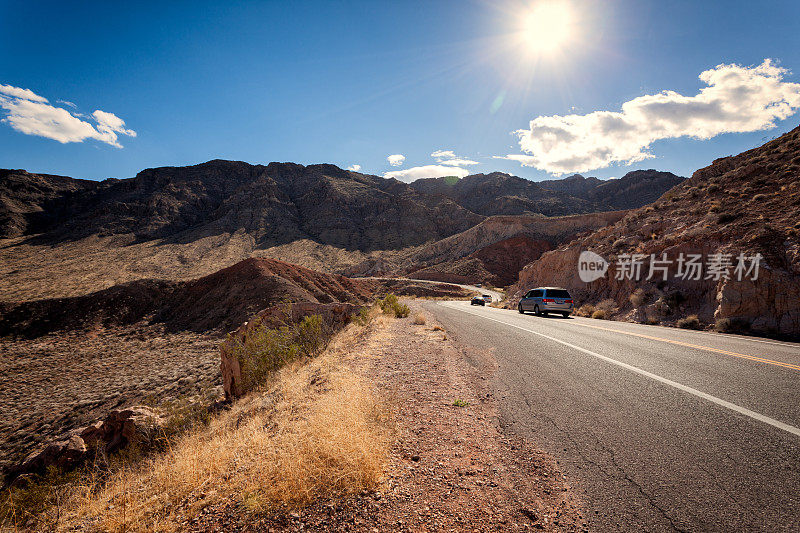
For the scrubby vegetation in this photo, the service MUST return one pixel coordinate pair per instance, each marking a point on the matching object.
(638, 297)
(264, 350)
(310, 429)
(586, 310)
(690, 322)
(419, 319)
(363, 317)
(390, 305)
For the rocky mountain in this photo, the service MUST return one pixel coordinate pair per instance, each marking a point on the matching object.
(503, 194)
(575, 185)
(30, 203)
(747, 204)
(495, 250)
(69, 237)
(284, 202)
(274, 204)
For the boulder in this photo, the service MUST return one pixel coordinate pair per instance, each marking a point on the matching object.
(119, 428)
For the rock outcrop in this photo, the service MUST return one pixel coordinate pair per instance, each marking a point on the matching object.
(745, 204)
(118, 429)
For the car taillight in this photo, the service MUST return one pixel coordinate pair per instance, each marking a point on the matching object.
(567, 301)
(548, 300)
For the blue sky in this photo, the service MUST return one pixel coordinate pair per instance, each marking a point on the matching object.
(354, 82)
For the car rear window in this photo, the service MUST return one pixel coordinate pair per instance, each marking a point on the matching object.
(557, 293)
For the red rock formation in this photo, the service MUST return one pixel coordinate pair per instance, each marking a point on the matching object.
(749, 203)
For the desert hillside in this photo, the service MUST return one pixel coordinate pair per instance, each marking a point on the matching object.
(746, 204)
(151, 341)
(64, 237)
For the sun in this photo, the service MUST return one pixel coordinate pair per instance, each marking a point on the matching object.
(547, 26)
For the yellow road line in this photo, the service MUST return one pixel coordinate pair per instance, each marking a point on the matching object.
(699, 347)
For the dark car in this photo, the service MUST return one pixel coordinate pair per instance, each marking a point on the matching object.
(544, 300)
(477, 300)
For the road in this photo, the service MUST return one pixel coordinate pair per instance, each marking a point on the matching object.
(658, 429)
(496, 295)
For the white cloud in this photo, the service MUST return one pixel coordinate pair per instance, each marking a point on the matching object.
(426, 171)
(737, 99)
(396, 160)
(443, 154)
(458, 162)
(354, 168)
(31, 114)
(25, 94)
(449, 157)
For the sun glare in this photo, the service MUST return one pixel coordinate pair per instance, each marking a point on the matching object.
(547, 26)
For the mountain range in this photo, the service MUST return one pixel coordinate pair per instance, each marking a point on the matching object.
(181, 223)
(283, 202)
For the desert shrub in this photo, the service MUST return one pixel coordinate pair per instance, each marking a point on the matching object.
(673, 299)
(638, 297)
(608, 306)
(419, 319)
(263, 350)
(390, 305)
(460, 403)
(599, 314)
(585, 310)
(731, 325)
(712, 188)
(363, 317)
(690, 322)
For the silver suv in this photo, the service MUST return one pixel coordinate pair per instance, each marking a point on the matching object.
(543, 300)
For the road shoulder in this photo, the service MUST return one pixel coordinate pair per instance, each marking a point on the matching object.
(452, 467)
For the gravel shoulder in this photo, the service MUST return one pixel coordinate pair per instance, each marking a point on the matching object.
(452, 468)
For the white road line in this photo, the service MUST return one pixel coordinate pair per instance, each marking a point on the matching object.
(700, 394)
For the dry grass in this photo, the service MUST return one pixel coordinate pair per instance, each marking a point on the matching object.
(419, 319)
(638, 297)
(690, 322)
(608, 306)
(316, 431)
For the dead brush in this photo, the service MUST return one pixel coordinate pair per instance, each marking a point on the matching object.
(419, 319)
(315, 431)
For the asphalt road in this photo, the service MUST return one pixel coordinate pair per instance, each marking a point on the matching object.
(658, 429)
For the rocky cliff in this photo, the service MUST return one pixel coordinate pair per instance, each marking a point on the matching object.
(273, 204)
(747, 204)
(503, 194)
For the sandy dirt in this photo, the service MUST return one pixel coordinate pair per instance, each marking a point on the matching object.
(58, 382)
